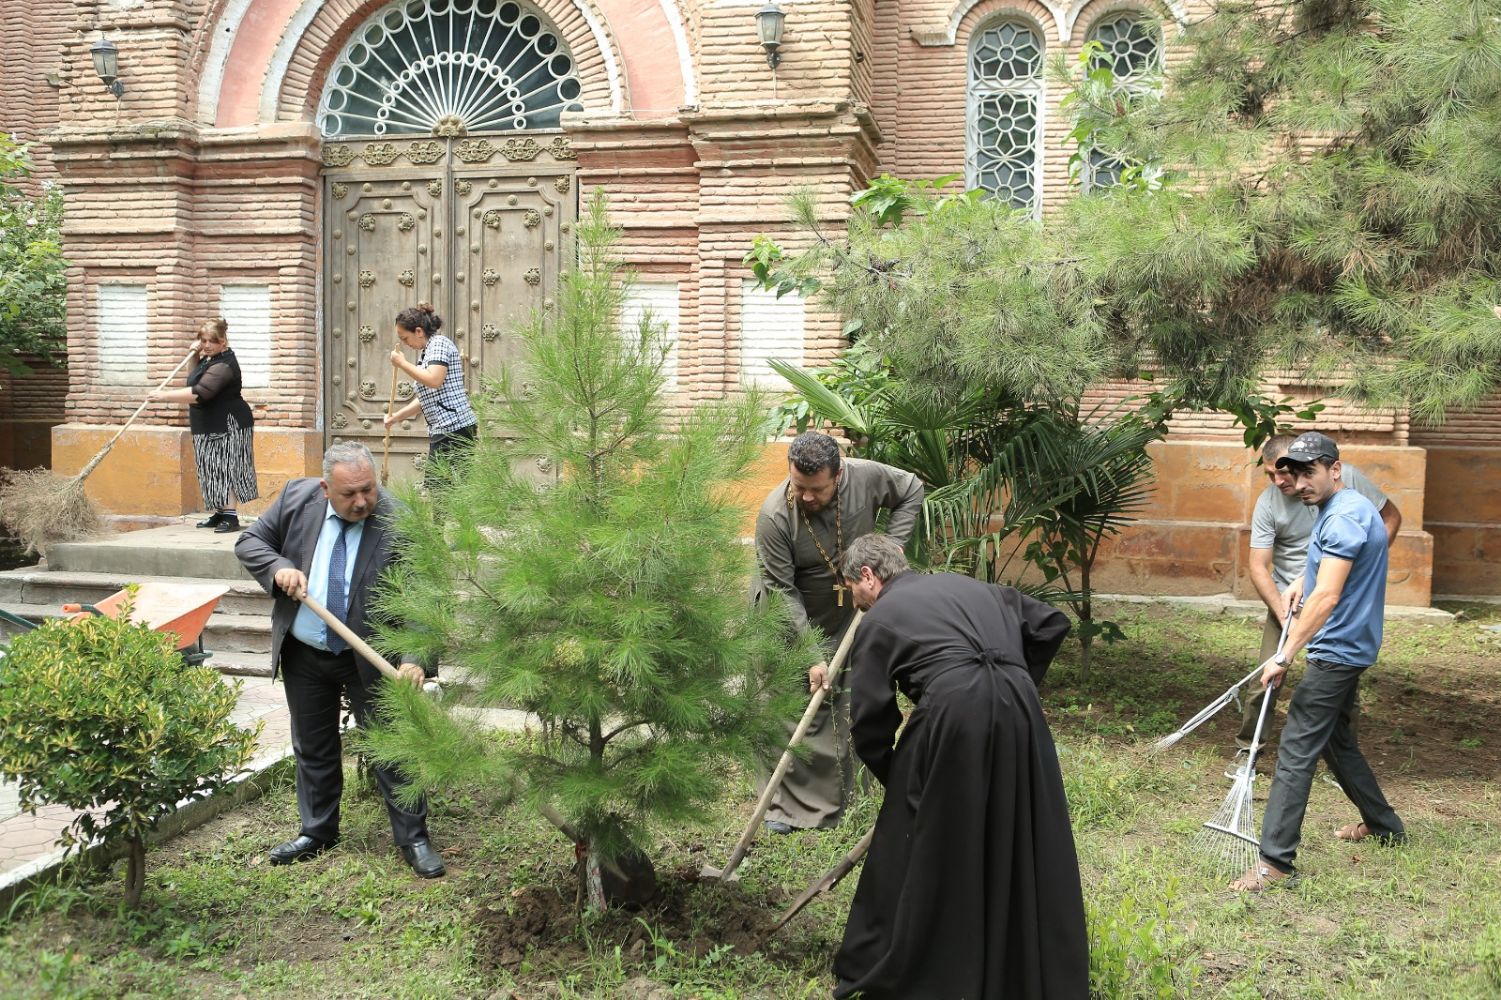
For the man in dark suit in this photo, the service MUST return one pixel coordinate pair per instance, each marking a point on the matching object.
(330, 538)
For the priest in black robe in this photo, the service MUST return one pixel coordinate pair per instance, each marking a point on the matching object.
(971, 887)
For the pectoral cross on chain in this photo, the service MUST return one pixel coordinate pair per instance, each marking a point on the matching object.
(839, 590)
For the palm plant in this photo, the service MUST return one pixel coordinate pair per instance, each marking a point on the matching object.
(1101, 463)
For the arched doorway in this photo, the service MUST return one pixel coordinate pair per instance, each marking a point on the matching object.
(447, 180)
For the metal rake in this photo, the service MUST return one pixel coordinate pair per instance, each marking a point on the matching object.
(1228, 842)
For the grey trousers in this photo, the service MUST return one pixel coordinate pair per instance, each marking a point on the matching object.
(819, 783)
(1318, 724)
(1250, 710)
(314, 680)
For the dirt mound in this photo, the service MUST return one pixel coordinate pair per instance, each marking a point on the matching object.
(692, 917)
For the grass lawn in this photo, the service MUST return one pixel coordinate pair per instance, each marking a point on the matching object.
(1422, 921)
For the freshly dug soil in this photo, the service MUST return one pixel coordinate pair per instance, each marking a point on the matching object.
(542, 922)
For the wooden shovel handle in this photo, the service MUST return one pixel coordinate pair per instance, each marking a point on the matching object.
(824, 882)
(347, 634)
(775, 781)
(385, 456)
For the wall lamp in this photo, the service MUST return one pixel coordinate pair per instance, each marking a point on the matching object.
(107, 64)
(769, 24)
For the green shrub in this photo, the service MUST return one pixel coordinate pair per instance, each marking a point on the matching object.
(1135, 955)
(102, 716)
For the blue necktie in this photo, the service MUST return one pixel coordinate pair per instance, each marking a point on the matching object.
(338, 600)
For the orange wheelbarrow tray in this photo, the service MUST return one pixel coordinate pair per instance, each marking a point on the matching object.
(180, 608)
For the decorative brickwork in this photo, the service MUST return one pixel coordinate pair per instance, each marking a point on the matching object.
(210, 172)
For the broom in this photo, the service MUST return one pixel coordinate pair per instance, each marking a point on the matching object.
(41, 508)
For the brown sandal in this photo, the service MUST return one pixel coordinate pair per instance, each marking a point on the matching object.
(1261, 878)
(1354, 832)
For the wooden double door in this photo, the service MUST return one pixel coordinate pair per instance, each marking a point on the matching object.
(478, 226)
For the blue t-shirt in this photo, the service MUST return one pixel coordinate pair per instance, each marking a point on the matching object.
(1348, 527)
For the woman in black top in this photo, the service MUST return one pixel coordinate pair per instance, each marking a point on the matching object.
(222, 427)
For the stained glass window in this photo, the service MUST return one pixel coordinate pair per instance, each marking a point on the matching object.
(1133, 53)
(449, 67)
(1005, 101)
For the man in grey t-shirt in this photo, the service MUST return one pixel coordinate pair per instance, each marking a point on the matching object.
(1280, 529)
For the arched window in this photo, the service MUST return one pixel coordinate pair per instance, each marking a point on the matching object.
(1133, 53)
(1003, 143)
(447, 67)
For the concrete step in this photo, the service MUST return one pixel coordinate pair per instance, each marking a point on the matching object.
(39, 585)
(178, 550)
(240, 636)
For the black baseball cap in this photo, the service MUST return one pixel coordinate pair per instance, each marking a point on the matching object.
(1309, 447)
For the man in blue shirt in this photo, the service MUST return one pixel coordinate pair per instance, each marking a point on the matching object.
(1340, 623)
(331, 538)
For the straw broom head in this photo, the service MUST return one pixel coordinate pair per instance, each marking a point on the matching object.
(40, 508)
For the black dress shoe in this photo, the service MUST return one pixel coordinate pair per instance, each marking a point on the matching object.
(212, 521)
(301, 849)
(227, 525)
(424, 860)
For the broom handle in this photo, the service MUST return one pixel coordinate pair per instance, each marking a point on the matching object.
(385, 455)
(105, 450)
(764, 802)
(347, 634)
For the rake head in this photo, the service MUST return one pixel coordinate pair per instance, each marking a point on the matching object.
(1228, 842)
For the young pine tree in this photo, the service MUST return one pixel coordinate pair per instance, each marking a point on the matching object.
(608, 598)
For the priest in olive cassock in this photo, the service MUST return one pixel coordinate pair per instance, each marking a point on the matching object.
(825, 502)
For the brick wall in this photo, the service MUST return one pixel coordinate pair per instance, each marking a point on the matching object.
(184, 195)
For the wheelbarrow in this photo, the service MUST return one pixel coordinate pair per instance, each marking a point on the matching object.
(182, 609)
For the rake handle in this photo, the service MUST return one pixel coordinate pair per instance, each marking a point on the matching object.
(775, 781)
(94, 462)
(1209, 710)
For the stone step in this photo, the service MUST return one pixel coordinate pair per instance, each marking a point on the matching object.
(178, 550)
(38, 585)
(242, 636)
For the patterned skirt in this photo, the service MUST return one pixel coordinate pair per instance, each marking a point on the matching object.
(226, 464)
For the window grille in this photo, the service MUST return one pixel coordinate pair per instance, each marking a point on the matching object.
(448, 67)
(1005, 113)
(1133, 54)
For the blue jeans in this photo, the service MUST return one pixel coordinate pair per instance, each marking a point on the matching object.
(1319, 723)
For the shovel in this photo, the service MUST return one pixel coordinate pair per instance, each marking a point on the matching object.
(764, 802)
(823, 884)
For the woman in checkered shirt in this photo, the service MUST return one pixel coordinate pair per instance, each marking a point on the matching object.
(439, 377)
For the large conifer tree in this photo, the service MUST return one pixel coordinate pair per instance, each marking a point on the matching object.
(1319, 188)
(585, 565)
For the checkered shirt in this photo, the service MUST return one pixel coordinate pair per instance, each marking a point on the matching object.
(446, 408)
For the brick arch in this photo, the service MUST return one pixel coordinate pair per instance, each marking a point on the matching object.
(1091, 12)
(1061, 15)
(295, 79)
(986, 11)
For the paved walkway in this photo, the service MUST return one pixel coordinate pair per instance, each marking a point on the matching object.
(28, 842)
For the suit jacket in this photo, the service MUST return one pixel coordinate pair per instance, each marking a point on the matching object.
(287, 534)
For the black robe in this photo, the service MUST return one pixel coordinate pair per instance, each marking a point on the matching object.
(971, 887)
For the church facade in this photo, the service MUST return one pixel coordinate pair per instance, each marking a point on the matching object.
(306, 168)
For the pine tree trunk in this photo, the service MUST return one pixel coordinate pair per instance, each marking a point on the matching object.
(135, 871)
